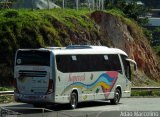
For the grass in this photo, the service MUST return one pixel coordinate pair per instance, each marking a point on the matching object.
(3, 89)
(17, 22)
(116, 12)
(19, 19)
(6, 88)
(155, 93)
(6, 99)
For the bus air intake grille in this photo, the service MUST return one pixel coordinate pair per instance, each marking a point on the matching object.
(32, 73)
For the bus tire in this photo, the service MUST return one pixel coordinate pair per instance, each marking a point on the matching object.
(117, 96)
(73, 100)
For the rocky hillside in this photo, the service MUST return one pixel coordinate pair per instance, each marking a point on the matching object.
(34, 29)
(129, 37)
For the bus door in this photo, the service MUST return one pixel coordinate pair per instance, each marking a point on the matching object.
(127, 77)
(127, 74)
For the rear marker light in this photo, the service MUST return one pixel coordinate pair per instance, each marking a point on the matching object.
(50, 87)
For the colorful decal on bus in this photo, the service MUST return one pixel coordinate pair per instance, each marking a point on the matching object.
(106, 81)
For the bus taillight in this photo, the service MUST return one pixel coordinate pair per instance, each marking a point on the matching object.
(15, 86)
(50, 87)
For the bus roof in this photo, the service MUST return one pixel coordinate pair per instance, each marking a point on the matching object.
(85, 49)
(81, 49)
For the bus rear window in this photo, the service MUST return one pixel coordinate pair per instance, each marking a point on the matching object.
(32, 57)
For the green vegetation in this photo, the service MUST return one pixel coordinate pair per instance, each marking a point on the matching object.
(6, 88)
(39, 28)
(6, 99)
(157, 50)
(3, 89)
(153, 35)
(135, 12)
(152, 3)
(115, 11)
(131, 10)
(146, 93)
(155, 41)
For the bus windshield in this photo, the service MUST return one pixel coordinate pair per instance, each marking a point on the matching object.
(33, 57)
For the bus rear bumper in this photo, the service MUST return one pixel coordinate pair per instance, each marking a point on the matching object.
(49, 98)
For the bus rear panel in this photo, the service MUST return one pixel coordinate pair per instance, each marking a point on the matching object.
(32, 76)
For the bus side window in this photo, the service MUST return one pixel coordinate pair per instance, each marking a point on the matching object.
(114, 63)
(127, 68)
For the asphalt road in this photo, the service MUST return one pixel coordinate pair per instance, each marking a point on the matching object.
(90, 109)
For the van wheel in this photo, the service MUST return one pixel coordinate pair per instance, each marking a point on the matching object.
(117, 96)
(73, 100)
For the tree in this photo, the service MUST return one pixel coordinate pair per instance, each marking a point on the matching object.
(131, 10)
(156, 36)
(136, 12)
(153, 4)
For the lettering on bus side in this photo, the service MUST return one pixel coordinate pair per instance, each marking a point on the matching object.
(76, 78)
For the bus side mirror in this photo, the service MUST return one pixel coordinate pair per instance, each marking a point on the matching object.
(133, 62)
(135, 67)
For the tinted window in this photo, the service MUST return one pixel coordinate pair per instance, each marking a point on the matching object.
(87, 63)
(33, 58)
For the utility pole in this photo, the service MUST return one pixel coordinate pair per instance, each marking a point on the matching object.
(99, 4)
(48, 4)
(93, 4)
(89, 4)
(102, 4)
(76, 4)
(32, 5)
(63, 4)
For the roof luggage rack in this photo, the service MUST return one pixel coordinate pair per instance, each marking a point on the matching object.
(55, 48)
(78, 47)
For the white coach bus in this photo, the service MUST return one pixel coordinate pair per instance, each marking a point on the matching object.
(72, 74)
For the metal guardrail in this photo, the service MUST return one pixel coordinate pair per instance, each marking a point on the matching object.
(144, 88)
(19, 112)
(6, 93)
(133, 89)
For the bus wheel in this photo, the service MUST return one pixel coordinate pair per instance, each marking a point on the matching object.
(117, 96)
(73, 100)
